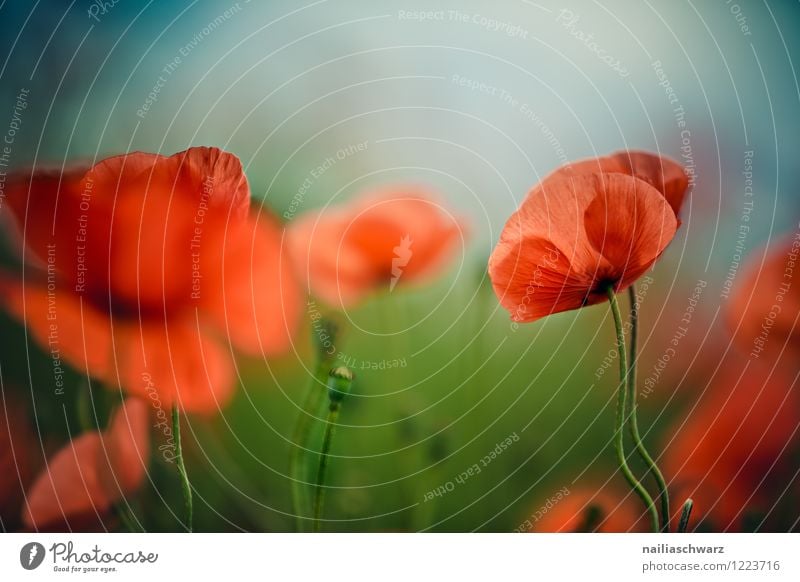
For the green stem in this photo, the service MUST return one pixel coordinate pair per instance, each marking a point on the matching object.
(302, 432)
(686, 513)
(620, 420)
(186, 486)
(340, 380)
(319, 498)
(633, 424)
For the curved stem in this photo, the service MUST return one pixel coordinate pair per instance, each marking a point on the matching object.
(302, 432)
(633, 424)
(619, 444)
(319, 498)
(185, 485)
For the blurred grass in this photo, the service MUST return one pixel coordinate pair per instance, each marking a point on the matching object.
(404, 432)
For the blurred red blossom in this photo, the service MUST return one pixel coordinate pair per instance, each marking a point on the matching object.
(602, 510)
(400, 235)
(732, 452)
(86, 477)
(146, 260)
(764, 308)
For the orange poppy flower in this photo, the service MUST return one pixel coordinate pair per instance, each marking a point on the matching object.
(397, 236)
(92, 472)
(143, 258)
(575, 235)
(727, 454)
(589, 510)
(764, 308)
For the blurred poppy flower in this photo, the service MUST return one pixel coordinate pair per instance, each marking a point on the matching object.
(573, 237)
(143, 257)
(84, 479)
(394, 237)
(730, 452)
(764, 308)
(589, 510)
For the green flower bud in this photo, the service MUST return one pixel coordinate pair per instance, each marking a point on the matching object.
(339, 381)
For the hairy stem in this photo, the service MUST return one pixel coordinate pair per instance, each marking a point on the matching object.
(619, 444)
(327, 439)
(633, 424)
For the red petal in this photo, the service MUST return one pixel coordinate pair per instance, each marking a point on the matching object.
(664, 174)
(165, 217)
(174, 361)
(398, 235)
(258, 302)
(65, 328)
(125, 453)
(572, 234)
(69, 486)
(336, 273)
(628, 222)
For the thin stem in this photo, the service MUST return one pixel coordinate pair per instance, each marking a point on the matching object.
(186, 486)
(686, 513)
(633, 424)
(302, 432)
(620, 420)
(319, 498)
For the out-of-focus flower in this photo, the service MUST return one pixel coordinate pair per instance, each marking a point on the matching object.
(588, 510)
(145, 260)
(84, 479)
(20, 457)
(729, 452)
(394, 237)
(764, 308)
(573, 237)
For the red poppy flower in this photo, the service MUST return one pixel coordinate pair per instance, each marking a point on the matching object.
(397, 236)
(764, 308)
(573, 237)
(588, 510)
(729, 452)
(143, 258)
(92, 472)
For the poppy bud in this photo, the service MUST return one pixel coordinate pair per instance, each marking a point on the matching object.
(339, 381)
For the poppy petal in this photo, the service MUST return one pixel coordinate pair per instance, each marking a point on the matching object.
(70, 485)
(80, 333)
(337, 273)
(257, 303)
(664, 174)
(396, 235)
(628, 222)
(573, 235)
(175, 362)
(125, 450)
